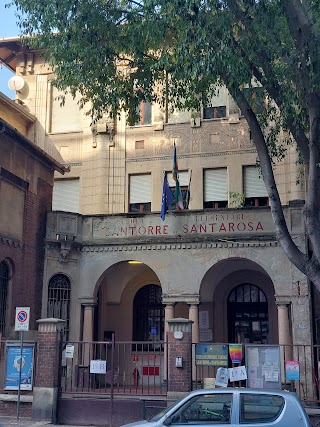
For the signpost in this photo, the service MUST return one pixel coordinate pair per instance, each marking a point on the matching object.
(21, 325)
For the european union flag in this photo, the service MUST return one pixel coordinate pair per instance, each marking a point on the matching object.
(167, 198)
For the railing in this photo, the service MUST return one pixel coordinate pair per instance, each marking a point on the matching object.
(139, 368)
(307, 386)
(113, 368)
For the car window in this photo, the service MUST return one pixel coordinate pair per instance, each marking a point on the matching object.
(208, 408)
(260, 408)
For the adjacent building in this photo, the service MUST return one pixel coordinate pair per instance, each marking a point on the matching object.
(112, 266)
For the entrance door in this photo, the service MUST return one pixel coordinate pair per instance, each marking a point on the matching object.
(248, 315)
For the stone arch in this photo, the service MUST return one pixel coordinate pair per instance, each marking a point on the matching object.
(115, 303)
(58, 304)
(219, 281)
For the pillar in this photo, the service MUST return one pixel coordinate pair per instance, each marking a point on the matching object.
(285, 339)
(194, 316)
(179, 350)
(168, 315)
(45, 391)
(87, 334)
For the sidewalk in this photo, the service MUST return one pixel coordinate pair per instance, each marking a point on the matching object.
(23, 422)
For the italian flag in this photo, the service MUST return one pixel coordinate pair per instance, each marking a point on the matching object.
(175, 175)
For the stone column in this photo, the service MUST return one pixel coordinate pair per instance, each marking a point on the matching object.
(285, 338)
(45, 391)
(168, 315)
(87, 334)
(194, 316)
(179, 349)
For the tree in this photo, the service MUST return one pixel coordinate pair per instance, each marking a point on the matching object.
(116, 52)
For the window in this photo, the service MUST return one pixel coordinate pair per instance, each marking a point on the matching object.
(4, 284)
(148, 314)
(254, 189)
(215, 188)
(65, 118)
(145, 113)
(58, 306)
(215, 112)
(207, 409)
(184, 181)
(256, 98)
(140, 193)
(66, 195)
(248, 315)
(260, 408)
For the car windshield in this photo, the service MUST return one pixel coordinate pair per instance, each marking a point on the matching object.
(165, 410)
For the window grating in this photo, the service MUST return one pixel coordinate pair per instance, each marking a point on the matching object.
(148, 314)
(4, 283)
(58, 306)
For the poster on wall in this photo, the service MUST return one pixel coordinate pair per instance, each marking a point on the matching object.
(235, 352)
(212, 354)
(263, 366)
(14, 363)
(292, 370)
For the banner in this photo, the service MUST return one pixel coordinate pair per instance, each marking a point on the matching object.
(14, 364)
(235, 352)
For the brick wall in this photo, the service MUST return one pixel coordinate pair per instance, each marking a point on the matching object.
(179, 379)
(27, 262)
(48, 359)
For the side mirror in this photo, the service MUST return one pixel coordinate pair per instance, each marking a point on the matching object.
(167, 421)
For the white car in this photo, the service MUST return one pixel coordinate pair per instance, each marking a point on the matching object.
(232, 406)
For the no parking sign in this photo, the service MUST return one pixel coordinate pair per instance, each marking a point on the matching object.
(22, 319)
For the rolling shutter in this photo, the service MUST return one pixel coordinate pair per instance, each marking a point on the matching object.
(66, 195)
(183, 179)
(253, 185)
(65, 118)
(215, 185)
(140, 189)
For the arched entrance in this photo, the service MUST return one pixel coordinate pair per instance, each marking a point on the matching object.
(238, 297)
(148, 314)
(248, 315)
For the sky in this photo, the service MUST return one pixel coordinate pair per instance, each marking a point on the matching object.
(8, 28)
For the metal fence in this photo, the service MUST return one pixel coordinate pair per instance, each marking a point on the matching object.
(113, 368)
(140, 368)
(307, 386)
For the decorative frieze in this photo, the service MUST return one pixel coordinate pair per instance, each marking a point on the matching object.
(171, 246)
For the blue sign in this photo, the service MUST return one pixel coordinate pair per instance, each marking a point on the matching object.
(153, 330)
(212, 354)
(15, 363)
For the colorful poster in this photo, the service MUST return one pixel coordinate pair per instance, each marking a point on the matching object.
(222, 377)
(212, 354)
(14, 363)
(235, 351)
(292, 370)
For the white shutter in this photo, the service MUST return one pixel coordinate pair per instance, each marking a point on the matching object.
(253, 185)
(140, 189)
(65, 118)
(184, 178)
(66, 195)
(215, 185)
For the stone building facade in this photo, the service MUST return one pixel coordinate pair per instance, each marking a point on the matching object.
(112, 266)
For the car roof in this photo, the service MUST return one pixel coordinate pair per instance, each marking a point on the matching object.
(283, 393)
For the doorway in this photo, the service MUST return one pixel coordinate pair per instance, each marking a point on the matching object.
(248, 315)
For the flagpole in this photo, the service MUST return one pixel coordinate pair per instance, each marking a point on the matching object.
(188, 195)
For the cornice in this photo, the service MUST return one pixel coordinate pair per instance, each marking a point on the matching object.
(189, 156)
(174, 246)
(11, 242)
